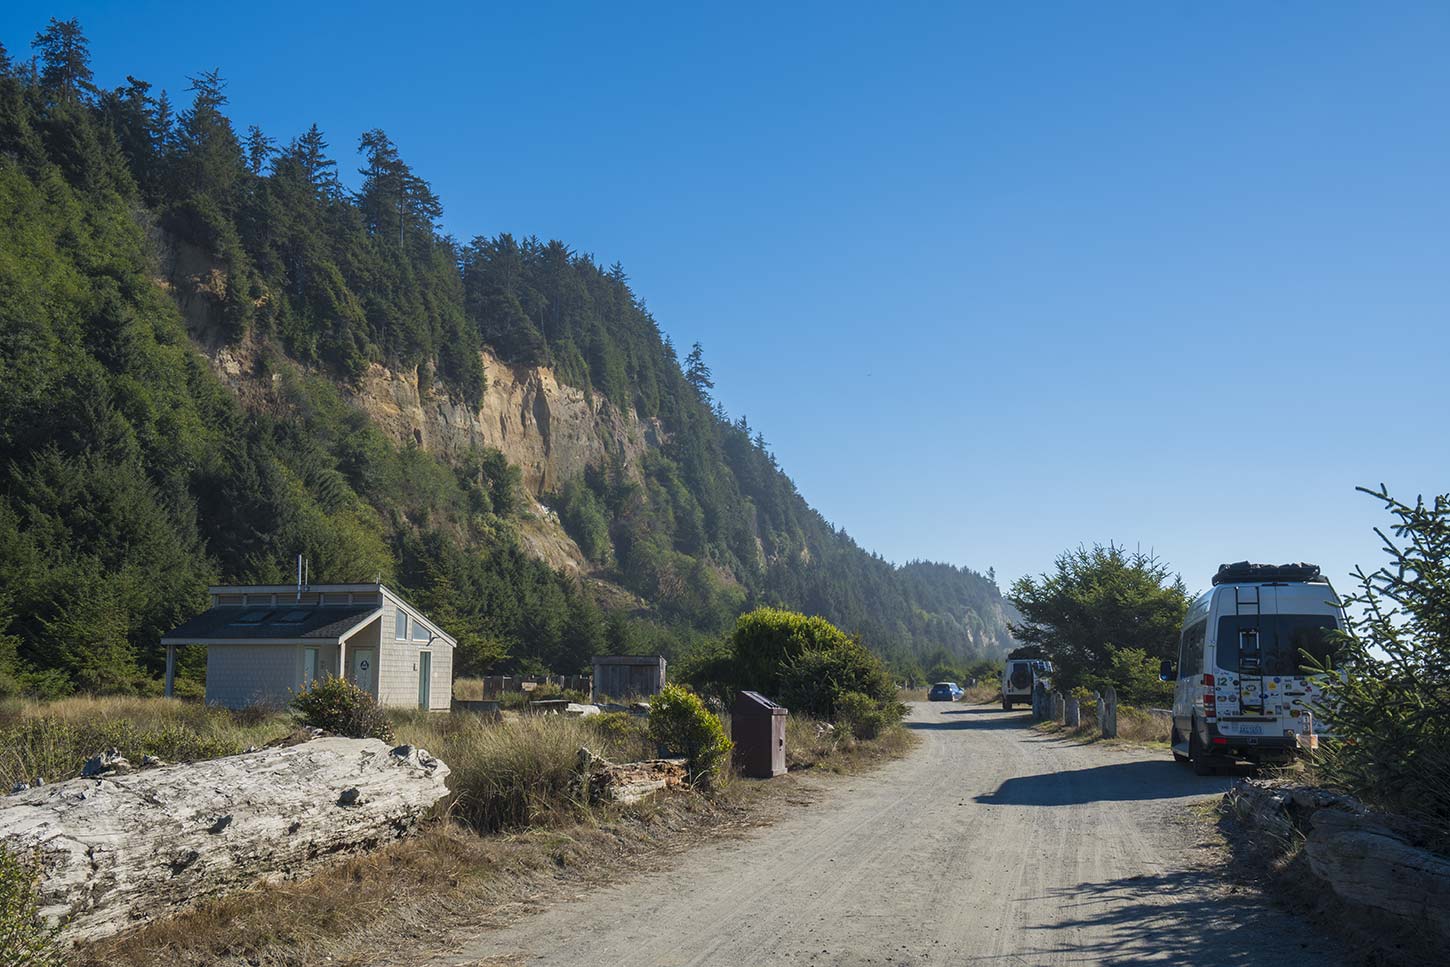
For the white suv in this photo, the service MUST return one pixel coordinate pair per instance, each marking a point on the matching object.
(1019, 675)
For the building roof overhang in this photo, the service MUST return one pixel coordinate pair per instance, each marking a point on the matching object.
(277, 625)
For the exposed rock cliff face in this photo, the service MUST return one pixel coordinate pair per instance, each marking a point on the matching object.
(549, 430)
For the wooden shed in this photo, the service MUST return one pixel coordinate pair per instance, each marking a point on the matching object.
(628, 676)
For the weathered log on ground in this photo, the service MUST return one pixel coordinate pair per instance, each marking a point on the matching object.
(628, 782)
(1361, 856)
(118, 850)
(1369, 865)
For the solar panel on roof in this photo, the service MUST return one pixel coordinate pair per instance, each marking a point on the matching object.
(251, 618)
(292, 618)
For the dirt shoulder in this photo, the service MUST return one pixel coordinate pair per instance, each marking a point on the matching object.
(387, 907)
(989, 841)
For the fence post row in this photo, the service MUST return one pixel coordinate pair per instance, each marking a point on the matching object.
(1110, 713)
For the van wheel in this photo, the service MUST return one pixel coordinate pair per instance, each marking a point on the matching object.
(1196, 756)
(1173, 744)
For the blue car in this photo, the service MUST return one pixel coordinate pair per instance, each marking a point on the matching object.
(945, 692)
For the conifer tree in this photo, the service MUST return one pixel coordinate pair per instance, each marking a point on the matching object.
(259, 148)
(310, 150)
(697, 374)
(65, 59)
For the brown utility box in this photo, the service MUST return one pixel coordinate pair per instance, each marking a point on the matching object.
(757, 726)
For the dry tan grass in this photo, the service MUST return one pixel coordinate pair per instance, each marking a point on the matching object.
(53, 739)
(513, 775)
(1135, 727)
(396, 899)
(521, 771)
(393, 900)
(988, 693)
(468, 689)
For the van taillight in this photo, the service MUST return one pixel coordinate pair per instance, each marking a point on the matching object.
(1207, 681)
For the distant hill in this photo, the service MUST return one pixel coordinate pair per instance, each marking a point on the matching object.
(213, 357)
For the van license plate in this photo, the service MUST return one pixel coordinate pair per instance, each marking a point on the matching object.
(1251, 730)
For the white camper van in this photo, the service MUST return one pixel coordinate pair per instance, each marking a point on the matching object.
(1240, 691)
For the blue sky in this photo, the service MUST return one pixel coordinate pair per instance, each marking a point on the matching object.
(992, 280)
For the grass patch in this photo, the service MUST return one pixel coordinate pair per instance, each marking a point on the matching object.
(1135, 727)
(468, 689)
(984, 694)
(512, 828)
(53, 740)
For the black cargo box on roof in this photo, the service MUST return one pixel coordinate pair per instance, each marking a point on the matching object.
(1243, 573)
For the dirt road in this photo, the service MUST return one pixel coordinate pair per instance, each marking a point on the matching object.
(988, 844)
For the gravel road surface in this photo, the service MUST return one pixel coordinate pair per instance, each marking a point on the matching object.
(989, 844)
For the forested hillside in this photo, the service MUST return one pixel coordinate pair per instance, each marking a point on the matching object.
(134, 477)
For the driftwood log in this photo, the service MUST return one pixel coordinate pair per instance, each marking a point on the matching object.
(627, 782)
(120, 849)
(1360, 855)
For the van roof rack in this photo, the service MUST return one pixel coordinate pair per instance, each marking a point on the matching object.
(1242, 572)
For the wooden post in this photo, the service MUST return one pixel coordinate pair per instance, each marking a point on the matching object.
(170, 671)
(1058, 709)
(1110, 713)
(1072, 716)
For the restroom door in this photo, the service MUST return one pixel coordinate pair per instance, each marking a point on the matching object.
(365, 669)
(425, 677)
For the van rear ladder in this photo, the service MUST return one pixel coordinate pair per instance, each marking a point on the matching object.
(1251, 656)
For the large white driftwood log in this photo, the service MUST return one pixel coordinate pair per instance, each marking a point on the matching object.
(1353, 852)
(119, 850)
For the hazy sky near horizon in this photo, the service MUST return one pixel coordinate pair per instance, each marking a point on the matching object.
(993, 280)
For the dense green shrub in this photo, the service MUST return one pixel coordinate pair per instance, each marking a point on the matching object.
(25, 939)
(767, 640)
(337, 705)
(625, 737)
(806, 662)
(1134, 674)
(864, 716)
(1390, 710)
(681, 724)
(815, 682)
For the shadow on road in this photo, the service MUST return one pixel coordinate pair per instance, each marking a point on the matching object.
(1114, 782)
(1177, 917)
(967, 723)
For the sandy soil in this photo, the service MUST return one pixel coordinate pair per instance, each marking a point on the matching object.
(989, 844)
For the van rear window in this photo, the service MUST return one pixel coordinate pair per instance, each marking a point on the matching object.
(1277, 641)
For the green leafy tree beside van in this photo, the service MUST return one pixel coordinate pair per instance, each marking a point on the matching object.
(1095, 602)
